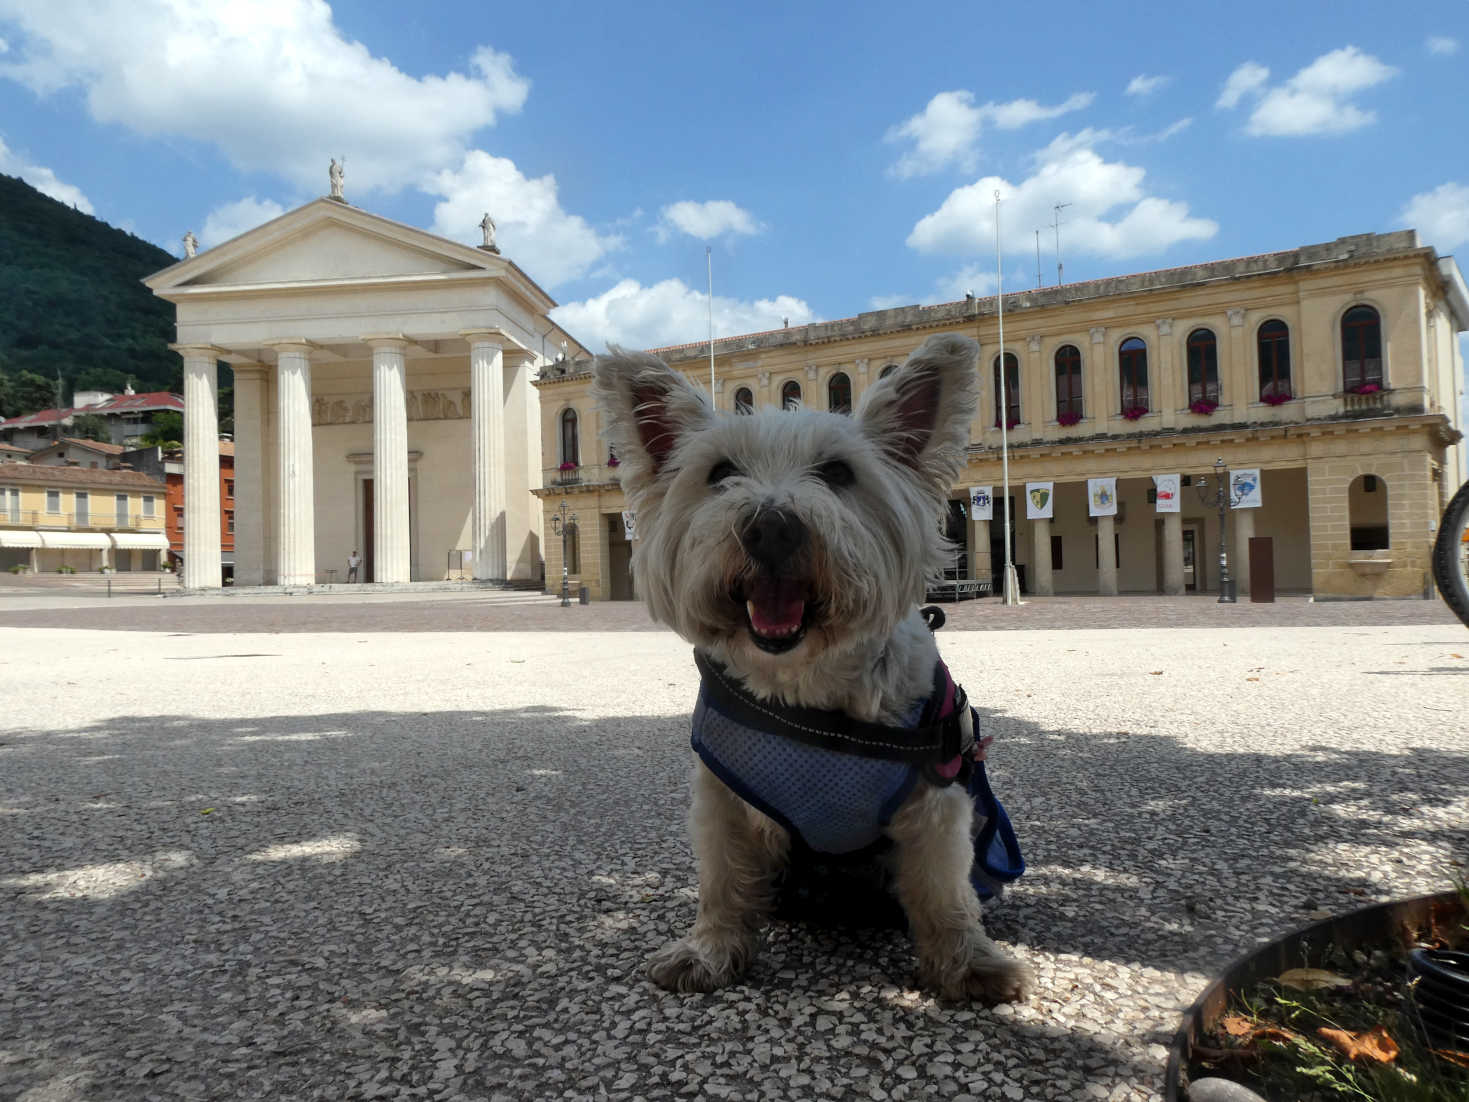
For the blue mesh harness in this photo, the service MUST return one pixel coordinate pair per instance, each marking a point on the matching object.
(835, 782)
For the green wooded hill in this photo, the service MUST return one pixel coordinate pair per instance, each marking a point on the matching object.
(71, 301)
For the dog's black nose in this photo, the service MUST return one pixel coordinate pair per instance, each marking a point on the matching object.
(772, 537)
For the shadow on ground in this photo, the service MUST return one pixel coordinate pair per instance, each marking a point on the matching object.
(340, 905)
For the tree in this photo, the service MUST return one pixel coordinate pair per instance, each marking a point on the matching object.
(33, 392)
(91, 426)
(167, 430)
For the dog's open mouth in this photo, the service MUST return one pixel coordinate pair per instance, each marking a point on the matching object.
(778, 611)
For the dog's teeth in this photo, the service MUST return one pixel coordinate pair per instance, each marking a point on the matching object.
(750, 610)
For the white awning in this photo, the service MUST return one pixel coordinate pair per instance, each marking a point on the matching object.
(97, 541)
(139, 541)
(11, 537)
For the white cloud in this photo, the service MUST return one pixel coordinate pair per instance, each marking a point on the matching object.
(42, 179)
(1247, 79)
(4, 46)
(1068, 171)
(1437, 44)
(671, 312)
(1314, 101)
(705, 221)
(1141, 85)
(947, 130)
(276, 87)
(531, 228)
(232, 219)
(1440, 216)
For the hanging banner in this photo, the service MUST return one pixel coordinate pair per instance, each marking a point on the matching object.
(1165, 489)
(1101, 497)
(629, 527)
(1039, 500)
(1244, 488)
(981, 503)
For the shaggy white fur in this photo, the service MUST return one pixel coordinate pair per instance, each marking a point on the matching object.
(794, 547)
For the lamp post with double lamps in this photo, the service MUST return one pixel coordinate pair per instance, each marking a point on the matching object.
(1224, 499)
(563, 522)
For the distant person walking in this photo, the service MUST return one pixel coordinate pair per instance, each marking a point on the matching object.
(354, 566)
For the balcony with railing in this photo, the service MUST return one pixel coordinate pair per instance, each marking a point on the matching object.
(90, 520)
(567, 475)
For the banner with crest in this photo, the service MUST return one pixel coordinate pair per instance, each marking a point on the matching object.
(1040, 500)
(1244, 488)
(1101, 497)
(981, 503)
(1166, 491)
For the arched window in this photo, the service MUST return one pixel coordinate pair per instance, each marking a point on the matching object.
(886, 371)
(1132, 373)
(1012, 390)
(744, 400)
(570, 442)
(1367, 513)
(839, 393)
(1273, 345)
(1203, 367)
(1361, 349)
(790, 395)
(1068, 384)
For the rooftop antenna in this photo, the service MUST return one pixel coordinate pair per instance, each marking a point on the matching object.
(1012, 584)
(1056, 225)
(709, 261)
(1037, 260)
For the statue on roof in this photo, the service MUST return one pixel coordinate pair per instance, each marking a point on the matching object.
(191, 244)
(487, 227)
(335, 174)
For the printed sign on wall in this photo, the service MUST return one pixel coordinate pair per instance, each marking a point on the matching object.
(1244, 488)
(1165, 488)
(1101, 496)
(981, 503)
(629, 528)
(1040, 500)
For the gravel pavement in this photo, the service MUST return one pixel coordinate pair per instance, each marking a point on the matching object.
(324, 850)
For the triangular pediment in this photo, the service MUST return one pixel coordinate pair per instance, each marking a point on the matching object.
(324, 242)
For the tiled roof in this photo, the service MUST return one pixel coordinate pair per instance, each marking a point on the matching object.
(122, 403)
(91, 445)
(14, 448)
(35, 474)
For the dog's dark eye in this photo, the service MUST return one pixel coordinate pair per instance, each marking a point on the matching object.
(722, 470)
(835, 473)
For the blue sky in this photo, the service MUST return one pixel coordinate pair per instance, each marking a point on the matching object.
(836, 157)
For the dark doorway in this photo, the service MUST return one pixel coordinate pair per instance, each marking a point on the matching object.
(367, 531)
(997, 545)
(954, 530)
(619, 560)
(1191, 566)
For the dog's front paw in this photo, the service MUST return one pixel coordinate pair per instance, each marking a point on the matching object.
(687, 966)
(989, 977)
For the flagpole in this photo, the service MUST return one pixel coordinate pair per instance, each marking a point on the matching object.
(709, 261)
(1012, 586)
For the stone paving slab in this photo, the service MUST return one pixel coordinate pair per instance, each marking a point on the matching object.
(429, 863)
(413, 610)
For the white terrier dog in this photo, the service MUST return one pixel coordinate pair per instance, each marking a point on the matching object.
(792, 548)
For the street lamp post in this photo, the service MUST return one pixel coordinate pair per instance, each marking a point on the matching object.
(562, 522)
(1224, 501)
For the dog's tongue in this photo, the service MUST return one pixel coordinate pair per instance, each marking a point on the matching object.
(776, 606)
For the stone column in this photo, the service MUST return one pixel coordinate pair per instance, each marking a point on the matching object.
(1173, 554)
(249, 474)
(980, 566)
(487, 427)
(1041, 584)
(1107, 556)
(391, 557)
(522, 429)
(1244, 528)
(295, 467)
(201, 468)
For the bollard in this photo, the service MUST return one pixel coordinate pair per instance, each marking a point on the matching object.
(109, 587)
(584, 595)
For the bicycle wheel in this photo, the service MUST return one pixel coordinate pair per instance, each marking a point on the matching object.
(1451, 555)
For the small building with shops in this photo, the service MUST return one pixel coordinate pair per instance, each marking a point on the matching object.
(67, 518)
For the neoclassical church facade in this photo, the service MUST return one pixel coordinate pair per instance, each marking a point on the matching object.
(382, 401)
(1327, 378)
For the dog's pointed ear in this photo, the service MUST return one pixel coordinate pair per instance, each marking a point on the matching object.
(647, 408)
(920, 415)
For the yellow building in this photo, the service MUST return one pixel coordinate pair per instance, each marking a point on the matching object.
(77, 517)
(1333, 369)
